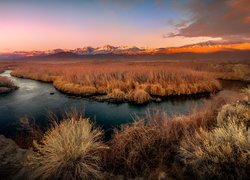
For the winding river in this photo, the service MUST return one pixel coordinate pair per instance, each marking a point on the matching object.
(35, 99)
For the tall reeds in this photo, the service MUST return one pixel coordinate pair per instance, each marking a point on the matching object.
(135, 82)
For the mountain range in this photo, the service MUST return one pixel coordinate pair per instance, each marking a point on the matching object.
(203, 47)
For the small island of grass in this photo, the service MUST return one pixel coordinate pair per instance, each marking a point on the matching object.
(6, 85)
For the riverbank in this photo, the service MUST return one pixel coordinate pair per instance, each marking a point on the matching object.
(6, 85)
(137, 95)
(133, 82)
(154, 146)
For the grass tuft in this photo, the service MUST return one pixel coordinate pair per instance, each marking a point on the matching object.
(222, 152)
(70, 150)
(139, 96)
(6, 85)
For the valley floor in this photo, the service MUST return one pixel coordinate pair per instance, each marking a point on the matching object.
(133, 81)
(212, 142)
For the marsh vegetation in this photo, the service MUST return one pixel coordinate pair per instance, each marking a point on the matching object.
(211, 142)
(133, 81)
(6, 85)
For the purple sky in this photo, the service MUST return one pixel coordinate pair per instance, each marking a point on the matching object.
(50, 24)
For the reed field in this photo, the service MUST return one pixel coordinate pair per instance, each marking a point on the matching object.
(211, 141)
(132, 81)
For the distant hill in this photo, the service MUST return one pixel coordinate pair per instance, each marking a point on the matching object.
(207, 47)
(63, 55)
(214, 47)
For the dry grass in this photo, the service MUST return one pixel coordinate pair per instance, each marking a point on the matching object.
(157, 78)
(6, 85)
(134, 79)
(213, 138)
(5, 82)
(139, 96)
(28, 131)
(224, 151)
(117, 94)
(238, 113)
(246, 91)
(131, 148)
(70, 150)
(152, 147)
(149, 146)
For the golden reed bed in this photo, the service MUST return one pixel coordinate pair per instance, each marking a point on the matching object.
(136, 82)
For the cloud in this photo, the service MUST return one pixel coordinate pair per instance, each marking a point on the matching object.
(228, 19)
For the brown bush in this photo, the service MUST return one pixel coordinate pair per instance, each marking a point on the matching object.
(150, 145)
(224, 151)
(138, 96)
(6, 82)
(233, 112)
(70, 150)
(117, 94)
(137, 149)
(156, 78)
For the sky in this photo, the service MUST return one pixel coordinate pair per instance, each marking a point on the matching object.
(27, 25)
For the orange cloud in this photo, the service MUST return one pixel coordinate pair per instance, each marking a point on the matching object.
(228, 19)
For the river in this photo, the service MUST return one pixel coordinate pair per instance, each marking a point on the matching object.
(35, 99)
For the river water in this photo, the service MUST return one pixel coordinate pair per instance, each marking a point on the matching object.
(34, 100)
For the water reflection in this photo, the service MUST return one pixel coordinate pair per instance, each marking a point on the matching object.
(33, 99)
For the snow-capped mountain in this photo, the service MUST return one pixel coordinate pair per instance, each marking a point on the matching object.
(88, 50)
(203, 47)
(107, 49)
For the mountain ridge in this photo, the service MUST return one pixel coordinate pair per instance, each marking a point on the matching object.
(203, 47)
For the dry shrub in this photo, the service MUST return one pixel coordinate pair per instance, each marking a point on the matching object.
(233, 112)
(6, 82)
(69, 150)
(139, 96)
(204, 116)
(117, 94)
(157, 90)
(151, 145)
(28, 131)
(246, 91)
(6, 85)
(143, 149)
(223, 152)
(137, 149)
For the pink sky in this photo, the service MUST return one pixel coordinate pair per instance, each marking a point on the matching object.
(43, 25)
(43, 36)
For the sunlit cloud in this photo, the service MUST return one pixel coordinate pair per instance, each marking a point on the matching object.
(228, 19)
